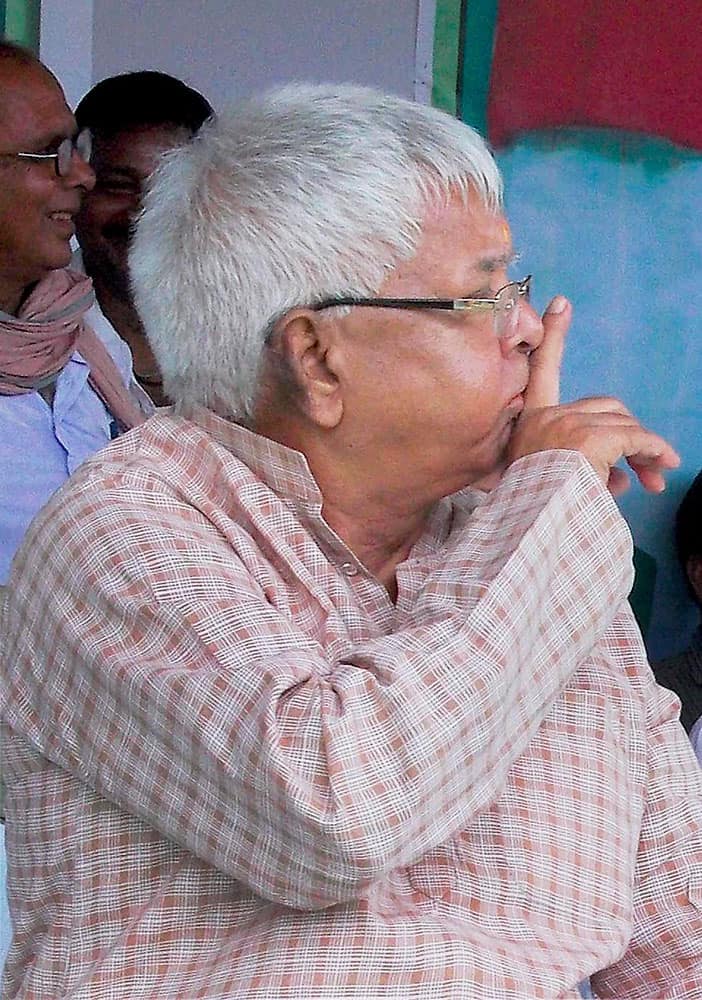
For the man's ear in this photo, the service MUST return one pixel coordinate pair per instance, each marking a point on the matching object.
(694, 575)
(304, 340)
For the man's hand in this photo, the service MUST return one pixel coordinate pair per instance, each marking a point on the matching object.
(545, 362)
(604, 431)
(601, 428)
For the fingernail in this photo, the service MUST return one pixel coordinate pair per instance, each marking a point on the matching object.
(557, 305)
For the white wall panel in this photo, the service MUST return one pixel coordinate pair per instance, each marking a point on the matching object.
(236, 47)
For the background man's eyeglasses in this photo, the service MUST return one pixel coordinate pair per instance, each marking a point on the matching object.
(504, 304)
(82, 144)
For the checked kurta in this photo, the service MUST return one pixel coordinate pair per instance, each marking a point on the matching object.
(236, 769)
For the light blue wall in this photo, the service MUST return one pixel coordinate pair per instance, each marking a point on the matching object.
(613, 221)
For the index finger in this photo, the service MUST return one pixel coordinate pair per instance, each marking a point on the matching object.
(545, 362)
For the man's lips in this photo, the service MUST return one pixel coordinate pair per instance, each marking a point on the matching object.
(65, 212)
(62, 222)
(64, 218)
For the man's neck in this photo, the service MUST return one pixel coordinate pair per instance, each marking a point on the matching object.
(123, 316)
(367, 503)
(379, 534)
(12, 295)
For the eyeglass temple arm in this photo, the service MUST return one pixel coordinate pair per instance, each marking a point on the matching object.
(448, 304)
(36, 156)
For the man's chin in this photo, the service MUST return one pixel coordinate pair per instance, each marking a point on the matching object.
(493, 472)
(60, 258)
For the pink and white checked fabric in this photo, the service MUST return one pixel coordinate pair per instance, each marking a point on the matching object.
(235, 768)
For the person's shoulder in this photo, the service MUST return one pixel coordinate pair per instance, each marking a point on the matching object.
(164, 441)
(145, 466)
(169, 454)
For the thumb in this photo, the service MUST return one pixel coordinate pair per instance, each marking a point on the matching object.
(545, 362)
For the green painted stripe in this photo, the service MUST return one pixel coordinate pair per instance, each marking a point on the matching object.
(2, 18)
(21, 22)
(477, 43)
(447, 29)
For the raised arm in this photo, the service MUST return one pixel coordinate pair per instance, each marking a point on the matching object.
(305, 763)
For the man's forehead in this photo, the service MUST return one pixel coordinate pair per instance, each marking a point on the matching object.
(491, 263)
(32, 105)
(491, 237)
(471, 214)
(136, 151)
(462, 245)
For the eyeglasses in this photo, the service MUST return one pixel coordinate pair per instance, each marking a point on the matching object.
(504, 304)
(82, 144)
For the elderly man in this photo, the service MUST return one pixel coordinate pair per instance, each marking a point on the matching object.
(134, 118)
(289, 708)
(64, 391)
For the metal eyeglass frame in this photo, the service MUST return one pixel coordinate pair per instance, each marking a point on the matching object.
(503, 302)
(82, 144)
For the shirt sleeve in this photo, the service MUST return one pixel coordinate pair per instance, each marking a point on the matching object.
(161, 675)
(663, 957)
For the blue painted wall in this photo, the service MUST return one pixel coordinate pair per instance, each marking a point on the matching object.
(612, 221)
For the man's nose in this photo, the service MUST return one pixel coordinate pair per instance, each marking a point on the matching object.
(81, 173)
(527, 333)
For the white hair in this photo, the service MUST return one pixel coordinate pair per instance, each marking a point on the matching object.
(301, 194)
